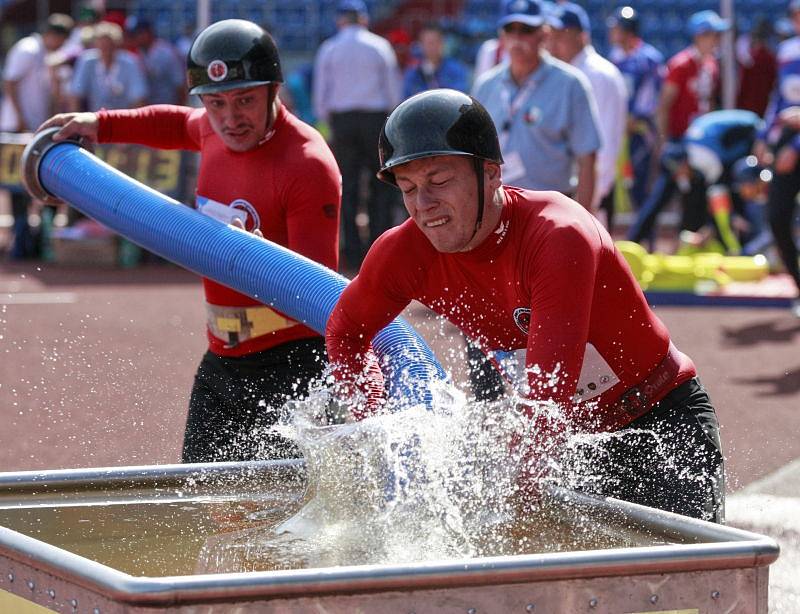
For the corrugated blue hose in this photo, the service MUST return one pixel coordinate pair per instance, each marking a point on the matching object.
(294, 285)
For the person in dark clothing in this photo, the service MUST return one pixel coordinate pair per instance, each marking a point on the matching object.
(698, 168)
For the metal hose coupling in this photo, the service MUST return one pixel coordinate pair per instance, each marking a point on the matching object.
(32, 157)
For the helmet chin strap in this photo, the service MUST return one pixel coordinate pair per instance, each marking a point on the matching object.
(477, 164)
(273, 94)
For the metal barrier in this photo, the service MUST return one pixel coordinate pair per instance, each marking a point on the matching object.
(680, 565)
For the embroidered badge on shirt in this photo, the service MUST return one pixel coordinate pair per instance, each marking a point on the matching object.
(522, 318)
(253, 219)
(533, 115)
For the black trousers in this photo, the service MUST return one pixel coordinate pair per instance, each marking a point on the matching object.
(355, 144)
(670, 458)
(24, 244)
(781, 209)
(236, 399)
(694, 207)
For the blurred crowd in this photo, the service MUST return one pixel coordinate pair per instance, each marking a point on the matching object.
(624, 134)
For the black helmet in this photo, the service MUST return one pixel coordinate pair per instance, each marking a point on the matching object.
(625, 18)
(231, 54)
(439, 122)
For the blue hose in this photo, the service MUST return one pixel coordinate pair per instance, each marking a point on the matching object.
(294, 285)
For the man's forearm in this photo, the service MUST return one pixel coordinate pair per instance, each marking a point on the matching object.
(587, 175)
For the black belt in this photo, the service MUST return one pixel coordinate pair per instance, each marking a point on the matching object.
(637, 400)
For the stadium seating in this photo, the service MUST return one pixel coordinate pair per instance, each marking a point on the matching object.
(300, 25)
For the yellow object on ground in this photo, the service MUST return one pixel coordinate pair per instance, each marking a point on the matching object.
(11, 603)
(700, 273)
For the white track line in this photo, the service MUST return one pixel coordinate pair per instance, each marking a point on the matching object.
(38, 298)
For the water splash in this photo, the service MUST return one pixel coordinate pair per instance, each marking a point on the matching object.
(410, 486)
(462, 479)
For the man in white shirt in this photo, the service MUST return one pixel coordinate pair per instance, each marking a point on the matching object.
(26, 103)
(571, 44)
(26, 78)
(356, 84)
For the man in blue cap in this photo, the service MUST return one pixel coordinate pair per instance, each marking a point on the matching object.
(356, 84)
(572, 44)
(642, 67)
(545, 114)
(691, 87)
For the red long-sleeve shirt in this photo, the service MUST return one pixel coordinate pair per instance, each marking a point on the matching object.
(289, 186)
(697, 81)
(547, 283)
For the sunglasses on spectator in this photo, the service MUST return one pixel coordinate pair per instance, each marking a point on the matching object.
(519, 28)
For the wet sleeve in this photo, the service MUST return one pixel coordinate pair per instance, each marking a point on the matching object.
(162, 126)
(562, 277)
(367, 305)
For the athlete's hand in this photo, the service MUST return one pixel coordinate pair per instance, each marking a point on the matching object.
(237, 223)
(785, 160)
(73, 125)
(762, 153)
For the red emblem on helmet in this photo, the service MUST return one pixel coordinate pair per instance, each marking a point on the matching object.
(217, 70)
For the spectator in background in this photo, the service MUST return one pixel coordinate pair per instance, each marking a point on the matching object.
(699, 169)
(543, 109)
(356, 84)
(642, 67)
(26, 78)
(571, 44)
(434, 70)
(107, 77)
(758, 68)
(27, 101)
(162, 66)
(77, 42)
(779, 145)
(401, 41)
(692, 84)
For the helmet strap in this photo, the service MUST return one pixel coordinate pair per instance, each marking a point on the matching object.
(478, 165)
(270, 130)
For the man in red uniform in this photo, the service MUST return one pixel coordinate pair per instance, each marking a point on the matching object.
(264, 169)
(691, 86)
(537, 277)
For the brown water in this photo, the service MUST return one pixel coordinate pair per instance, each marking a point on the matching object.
(171, 535)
